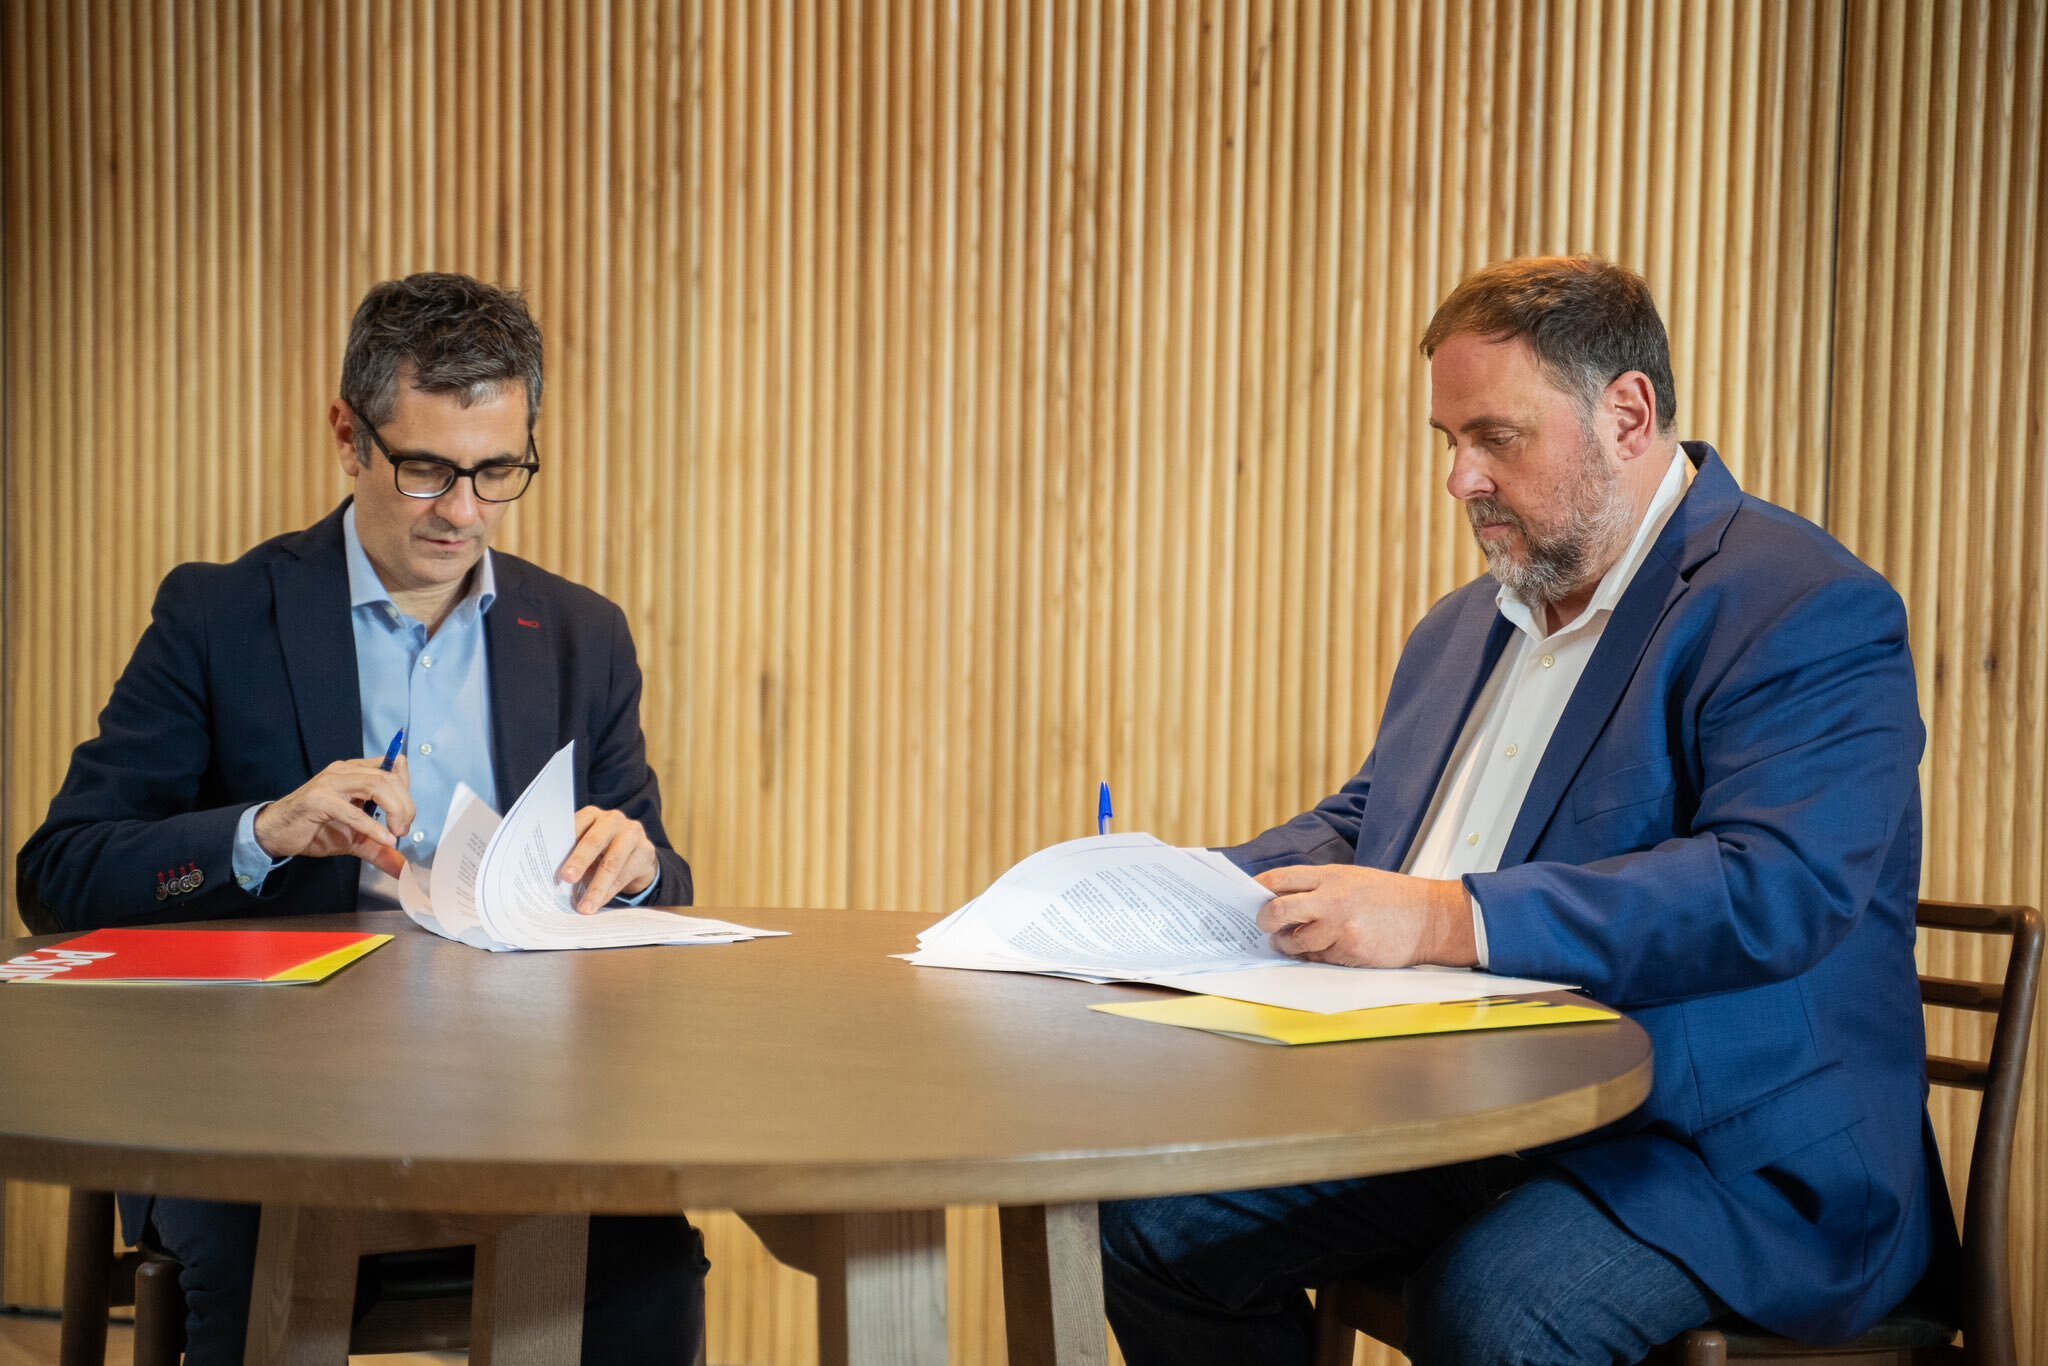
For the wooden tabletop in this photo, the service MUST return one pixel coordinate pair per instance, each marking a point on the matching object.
(802, 1074)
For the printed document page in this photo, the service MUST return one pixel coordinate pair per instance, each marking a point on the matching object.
(1110, 906)
(494, 886)
(1131, 908)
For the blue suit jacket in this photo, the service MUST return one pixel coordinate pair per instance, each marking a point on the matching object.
(244, 686)
(1723, 839)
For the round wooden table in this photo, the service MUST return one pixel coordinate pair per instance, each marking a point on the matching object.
(807, 1075)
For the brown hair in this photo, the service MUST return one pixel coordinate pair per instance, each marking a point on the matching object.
(1589, 322)
(454, 334)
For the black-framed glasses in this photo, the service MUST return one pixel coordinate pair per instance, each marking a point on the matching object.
(429, 476)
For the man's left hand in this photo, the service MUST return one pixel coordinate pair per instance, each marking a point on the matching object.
(612, 857)
(1367, 918)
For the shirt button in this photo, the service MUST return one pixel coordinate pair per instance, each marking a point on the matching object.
(426, 749)
(427, 661)
(1549, 660)
(1510, 751)
(1473, 839)
(418, 835)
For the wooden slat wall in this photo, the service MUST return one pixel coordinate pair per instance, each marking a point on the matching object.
(970, 402)
(1940, 402)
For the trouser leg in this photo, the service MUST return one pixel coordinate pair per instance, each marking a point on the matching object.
(643, 1299)
(1222, 1279)
(1546, 1277)
(1506, 1264)
(216, 1243)
(643, 1284)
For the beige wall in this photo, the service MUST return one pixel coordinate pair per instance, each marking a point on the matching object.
(969, 402)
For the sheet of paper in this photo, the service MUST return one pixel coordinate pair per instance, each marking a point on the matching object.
(527, 904)
(1109, 906)
(1325, 988)
(1132, 908)
(494, 887)
(1270, 1024)
(415, 897)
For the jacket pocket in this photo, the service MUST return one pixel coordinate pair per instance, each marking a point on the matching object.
(1790, 1118)
(1624, 787)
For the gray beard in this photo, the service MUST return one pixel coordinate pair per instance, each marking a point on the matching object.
(1597, 518)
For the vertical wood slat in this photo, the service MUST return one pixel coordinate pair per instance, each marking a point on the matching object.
(971, 402)
(1941, 384)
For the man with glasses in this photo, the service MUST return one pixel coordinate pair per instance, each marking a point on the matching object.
(241, 769)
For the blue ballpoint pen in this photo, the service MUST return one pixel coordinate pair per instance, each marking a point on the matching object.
(396, 748)
(1102, 810)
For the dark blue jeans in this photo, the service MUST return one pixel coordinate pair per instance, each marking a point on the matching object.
(1506, 1262)
(643, 1299)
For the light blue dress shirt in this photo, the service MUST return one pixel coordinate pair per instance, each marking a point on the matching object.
(434, 689)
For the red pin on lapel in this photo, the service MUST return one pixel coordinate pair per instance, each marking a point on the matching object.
(528, 622)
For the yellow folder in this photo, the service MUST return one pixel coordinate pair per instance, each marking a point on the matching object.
(1275, 1024)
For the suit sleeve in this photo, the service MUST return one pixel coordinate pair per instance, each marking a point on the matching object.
(620, 778)
(1327, 834)
(126, 813)
(1807, 759)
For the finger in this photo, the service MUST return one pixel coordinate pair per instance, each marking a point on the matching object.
(1283, 911)
(590, 846)
(604, 879)
(389, 860)
(585, 817)
(642, 870)
(1300, 877)
(351, 821)
(1314, 936)
(394, 800)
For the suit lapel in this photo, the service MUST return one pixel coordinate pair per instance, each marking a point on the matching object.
(310, 597)
(1691, 536)
(1408, 765)
(518, 637)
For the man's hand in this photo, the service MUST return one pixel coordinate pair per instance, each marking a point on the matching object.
(612, 857)
(326, 817)
(1366, 918)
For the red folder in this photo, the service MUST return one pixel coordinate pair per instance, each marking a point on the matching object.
(169, 956)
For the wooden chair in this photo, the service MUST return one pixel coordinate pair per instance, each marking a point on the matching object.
(1910, 1335)
(96, 1278)
(424, 1296)
(424, 1304)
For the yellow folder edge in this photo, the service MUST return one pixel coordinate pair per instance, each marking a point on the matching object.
(327, 964)
(1275, 1024)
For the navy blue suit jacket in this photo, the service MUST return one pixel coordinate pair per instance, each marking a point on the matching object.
(1723, 839)
(244, 686)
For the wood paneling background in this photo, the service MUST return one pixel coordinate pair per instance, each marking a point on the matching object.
(970, 402)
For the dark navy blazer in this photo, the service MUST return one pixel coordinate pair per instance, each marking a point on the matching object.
(1723, 839)
(244, 686)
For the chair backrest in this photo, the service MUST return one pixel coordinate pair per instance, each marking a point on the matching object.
(1987, 1205)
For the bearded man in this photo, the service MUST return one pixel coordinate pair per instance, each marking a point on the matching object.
(1665, 749)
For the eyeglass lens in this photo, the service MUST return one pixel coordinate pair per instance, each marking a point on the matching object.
(431, 479)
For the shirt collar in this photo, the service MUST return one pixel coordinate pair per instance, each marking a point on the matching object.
(365, 589)
(1622, 572)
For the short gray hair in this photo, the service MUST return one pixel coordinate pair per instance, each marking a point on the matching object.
(448, 334)
(1589, 322)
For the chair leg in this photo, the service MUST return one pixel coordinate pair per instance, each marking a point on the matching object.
(88, 1262)
(1703, 1347)
(159, 1313)
(1336, 1342)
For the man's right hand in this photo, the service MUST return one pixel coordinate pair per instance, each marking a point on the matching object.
(326, 817)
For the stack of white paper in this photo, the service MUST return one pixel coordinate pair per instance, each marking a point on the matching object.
(494, 884)
(1130, 908)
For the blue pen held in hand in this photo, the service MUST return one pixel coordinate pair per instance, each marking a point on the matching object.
(391, 753)
(1102, 810)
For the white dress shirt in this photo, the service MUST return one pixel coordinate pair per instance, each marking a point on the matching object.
(1480, 794)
